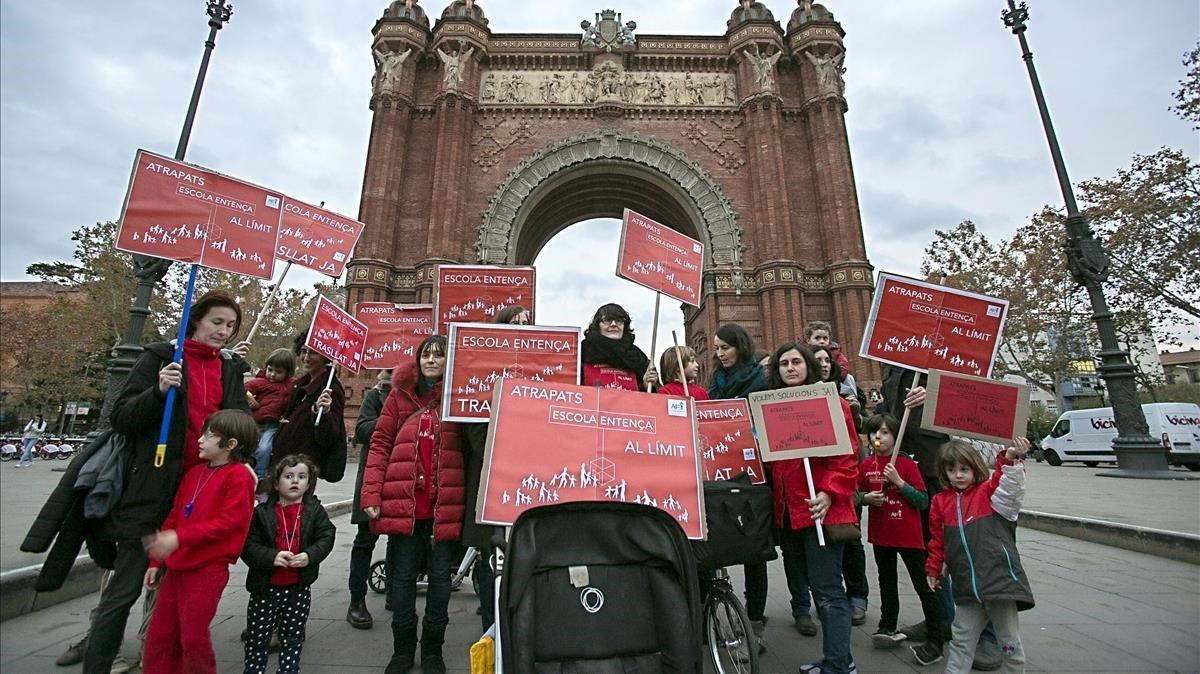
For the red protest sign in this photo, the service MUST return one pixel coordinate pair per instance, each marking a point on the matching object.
(316, 238)
(660, 258)
(920, 326)
(481, 353)
(958, 404)
(551, 443)
(800, 422)
(726, 440)
(337, 335)
(474, 293)
(186, 213)
(393, 331)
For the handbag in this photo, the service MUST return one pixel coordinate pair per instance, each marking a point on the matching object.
(740, 522)
(841, 533)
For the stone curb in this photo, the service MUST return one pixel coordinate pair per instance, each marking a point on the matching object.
(17, 596)
(1158, 542)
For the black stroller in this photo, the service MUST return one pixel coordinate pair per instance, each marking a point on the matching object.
(599, 588)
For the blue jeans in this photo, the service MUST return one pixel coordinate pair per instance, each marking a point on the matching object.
(406, 554)
(27, 450)
(262, 454)
(797, 582)
(823, 569)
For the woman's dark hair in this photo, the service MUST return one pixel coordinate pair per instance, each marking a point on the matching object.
(439, 345)
(506, 314)
(737, 337)
(283, 359)
(877, 421)
(610, 311)
(812, 376)
(835, 370)
(759, 354)
(209, 301)
(292, 460)
(234, 425)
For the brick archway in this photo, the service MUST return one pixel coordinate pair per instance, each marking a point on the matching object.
(596, 175)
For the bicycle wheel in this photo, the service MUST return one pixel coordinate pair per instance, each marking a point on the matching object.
(730, 641)
(377, 580)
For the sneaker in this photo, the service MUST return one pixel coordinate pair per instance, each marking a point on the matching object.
(804, 625)
(886, 638)
(858, 615)
(987, 656)
(815, 668)
(120, 665)
(927, 653)
(73, 655)
(914, 632)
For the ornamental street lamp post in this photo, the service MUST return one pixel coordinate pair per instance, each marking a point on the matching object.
(150, 270)
(1138, 454)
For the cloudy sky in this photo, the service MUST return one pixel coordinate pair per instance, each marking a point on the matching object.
(942, 121)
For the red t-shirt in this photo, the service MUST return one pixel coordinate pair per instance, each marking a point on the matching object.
(427, 430)
(674, 388)
(211, 516)
(608, 376)
(287, 537)
(896, 523)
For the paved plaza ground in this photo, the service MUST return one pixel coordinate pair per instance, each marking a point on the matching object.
(1100, 609)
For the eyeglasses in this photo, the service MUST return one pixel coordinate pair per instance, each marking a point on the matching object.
(612, 321)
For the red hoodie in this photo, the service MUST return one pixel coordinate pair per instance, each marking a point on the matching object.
(212, 530)
(674, 388)
(272, 396)
(204, 394)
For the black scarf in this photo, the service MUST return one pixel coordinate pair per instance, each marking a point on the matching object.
(622, 353)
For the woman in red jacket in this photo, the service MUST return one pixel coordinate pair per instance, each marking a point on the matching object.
(610, 358)
(796, 513)
(412, 490)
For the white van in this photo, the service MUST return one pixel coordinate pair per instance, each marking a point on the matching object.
(1087, 435)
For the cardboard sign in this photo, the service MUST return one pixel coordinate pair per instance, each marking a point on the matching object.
(660, 258)
(313, 237)
(482, 353)
(975, 407)
(186, 213)
(474, 293)
(920, 326)
(393, 331)
(800, 421)
(550, 443)
(726, 440)
(337, 335)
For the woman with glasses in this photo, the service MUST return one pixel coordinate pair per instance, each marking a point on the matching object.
(610, 358)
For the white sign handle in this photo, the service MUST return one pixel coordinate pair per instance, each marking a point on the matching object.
(267, 304)
(812, 493)
(328, 383)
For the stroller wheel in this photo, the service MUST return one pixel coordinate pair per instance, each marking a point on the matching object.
(731, 642)
(377, 580)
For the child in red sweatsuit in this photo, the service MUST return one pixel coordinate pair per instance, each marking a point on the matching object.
(201, 537)
(268, 394)
(668, 365)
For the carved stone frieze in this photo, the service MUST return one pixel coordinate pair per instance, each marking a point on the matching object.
(607, 83)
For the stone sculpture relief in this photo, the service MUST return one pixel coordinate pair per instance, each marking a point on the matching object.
(389, 63)
(608, 83)
(829, 72)
(764, 67)
(453, 63)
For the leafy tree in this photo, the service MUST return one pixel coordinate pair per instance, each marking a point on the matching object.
(1188, 95)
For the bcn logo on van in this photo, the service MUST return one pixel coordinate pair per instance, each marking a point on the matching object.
(1099, 424)
(1183, 421)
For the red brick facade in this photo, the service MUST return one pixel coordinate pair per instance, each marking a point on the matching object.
(484, 145)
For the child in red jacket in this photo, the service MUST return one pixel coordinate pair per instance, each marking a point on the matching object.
(201, 537)
(668, 365)
(895, 496)
(973, 529)
(268, 394)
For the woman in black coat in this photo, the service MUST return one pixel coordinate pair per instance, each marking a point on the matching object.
(209, 378)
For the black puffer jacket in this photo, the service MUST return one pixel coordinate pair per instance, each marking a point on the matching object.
(317, 533)
(146, 498)
(368, 414)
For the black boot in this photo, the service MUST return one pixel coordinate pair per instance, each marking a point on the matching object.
(358, 616)
(431, 651)
(404, 648)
